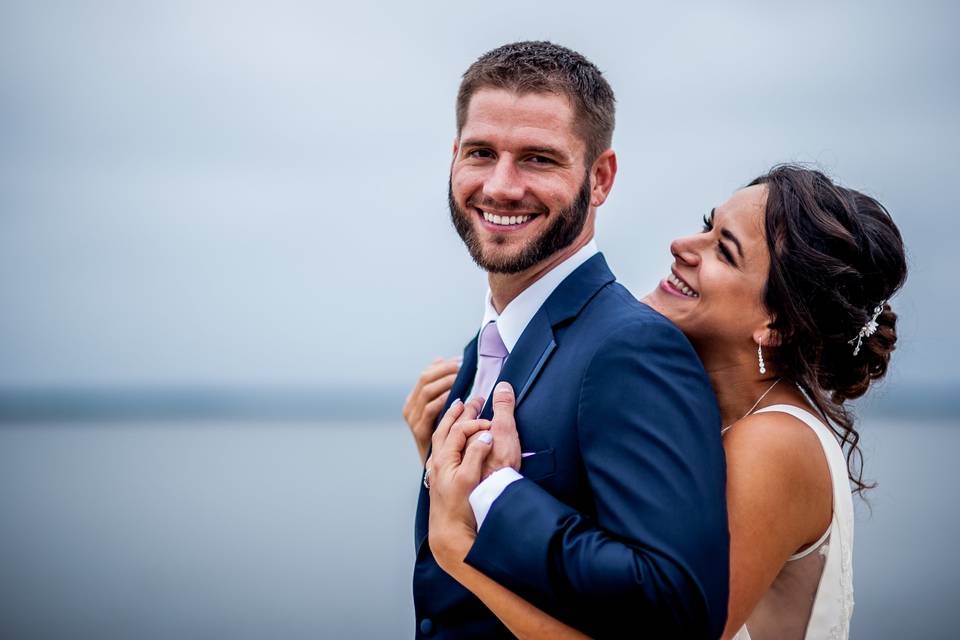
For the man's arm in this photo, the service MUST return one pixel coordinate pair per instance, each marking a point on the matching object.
(654, 556)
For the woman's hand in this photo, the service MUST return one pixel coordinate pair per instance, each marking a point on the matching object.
(424, 403)
(455, 468)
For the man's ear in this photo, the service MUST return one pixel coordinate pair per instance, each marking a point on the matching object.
(456, 147)
(602, 174)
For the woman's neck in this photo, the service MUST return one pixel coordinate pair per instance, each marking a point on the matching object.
(739, 385)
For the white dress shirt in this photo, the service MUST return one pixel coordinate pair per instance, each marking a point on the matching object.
(511, 323)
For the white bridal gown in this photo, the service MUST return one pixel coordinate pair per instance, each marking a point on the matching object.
(812, 596)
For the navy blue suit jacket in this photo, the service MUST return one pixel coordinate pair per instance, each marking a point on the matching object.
(619, 527)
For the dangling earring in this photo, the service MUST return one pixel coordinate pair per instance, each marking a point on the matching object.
(763, 367)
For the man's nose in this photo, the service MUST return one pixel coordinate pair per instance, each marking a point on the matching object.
(505, 182)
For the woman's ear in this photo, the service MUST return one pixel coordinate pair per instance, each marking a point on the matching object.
(767, 336)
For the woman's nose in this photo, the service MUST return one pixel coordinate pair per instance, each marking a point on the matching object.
(685, 251)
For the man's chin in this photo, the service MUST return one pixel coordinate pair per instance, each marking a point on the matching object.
(499, 261)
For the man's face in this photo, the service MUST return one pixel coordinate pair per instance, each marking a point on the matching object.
(519, 191)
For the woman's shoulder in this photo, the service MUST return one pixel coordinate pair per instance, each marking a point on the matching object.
(784, 439)
(774, 454)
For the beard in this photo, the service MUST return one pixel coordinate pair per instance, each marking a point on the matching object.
(563, 230)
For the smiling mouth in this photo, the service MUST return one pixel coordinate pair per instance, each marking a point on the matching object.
(680, 286)
(506, 221)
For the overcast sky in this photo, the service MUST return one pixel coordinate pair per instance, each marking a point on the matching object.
(222, 193)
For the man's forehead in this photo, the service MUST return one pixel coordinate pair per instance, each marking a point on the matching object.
(500, 116)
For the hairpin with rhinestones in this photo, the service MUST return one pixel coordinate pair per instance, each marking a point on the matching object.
(868, 329)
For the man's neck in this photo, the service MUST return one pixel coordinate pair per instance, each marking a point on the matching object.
(505, 287)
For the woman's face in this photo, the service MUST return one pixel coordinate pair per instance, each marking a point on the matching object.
(714, 291)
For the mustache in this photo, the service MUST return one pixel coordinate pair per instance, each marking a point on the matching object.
(481, 202)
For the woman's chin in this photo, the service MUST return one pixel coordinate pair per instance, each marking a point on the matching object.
(655, 301)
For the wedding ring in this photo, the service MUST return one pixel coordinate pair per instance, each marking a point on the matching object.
(426, 478)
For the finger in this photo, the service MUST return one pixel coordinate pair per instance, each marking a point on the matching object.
(428, 375)
(462, 430)
(503, 403)
(472, 408)
(407, 408)
(438, 370)
(472, 465)
(476, 404)
(455, 411)
(437, 387)
(433, 408)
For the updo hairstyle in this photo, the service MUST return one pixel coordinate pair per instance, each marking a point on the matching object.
(835, 256)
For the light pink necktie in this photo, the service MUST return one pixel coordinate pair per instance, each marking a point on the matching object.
(492, 354)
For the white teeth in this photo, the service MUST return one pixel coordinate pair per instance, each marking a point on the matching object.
(682, 286)
(504, 220)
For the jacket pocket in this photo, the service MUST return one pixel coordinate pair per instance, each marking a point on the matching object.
(538, 465)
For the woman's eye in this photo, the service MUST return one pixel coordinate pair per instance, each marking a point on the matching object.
(707, 224)
(727, 256)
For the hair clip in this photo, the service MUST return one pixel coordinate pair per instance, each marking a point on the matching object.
(868, 329)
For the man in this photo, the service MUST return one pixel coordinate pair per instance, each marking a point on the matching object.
(616, 521)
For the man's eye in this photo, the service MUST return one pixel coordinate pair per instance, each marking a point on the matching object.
(541, 160)
(480, 153)
(707, 224)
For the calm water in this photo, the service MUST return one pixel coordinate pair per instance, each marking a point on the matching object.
(246, 530)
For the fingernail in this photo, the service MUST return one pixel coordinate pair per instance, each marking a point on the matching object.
(503, 387)
(456, 403)
(486, 437)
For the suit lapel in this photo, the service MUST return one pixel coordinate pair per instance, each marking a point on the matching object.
(531, 352)
(537, 342)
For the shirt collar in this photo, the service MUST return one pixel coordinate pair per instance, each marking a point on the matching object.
(517, 315)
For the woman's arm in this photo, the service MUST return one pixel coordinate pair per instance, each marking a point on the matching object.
(461, 443)
(779, 499)
(524, 620)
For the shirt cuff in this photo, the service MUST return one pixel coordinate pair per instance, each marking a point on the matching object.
(481, 498)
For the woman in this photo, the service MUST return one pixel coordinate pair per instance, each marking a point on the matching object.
(784, 296)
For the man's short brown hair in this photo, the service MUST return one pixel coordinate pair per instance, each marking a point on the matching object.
(539, 66)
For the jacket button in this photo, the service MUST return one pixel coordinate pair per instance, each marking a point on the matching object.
(426, 626)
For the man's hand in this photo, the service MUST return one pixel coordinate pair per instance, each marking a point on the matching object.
(506, 441)
(427, 398)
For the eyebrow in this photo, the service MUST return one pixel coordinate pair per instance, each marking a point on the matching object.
(475, 143)
(539, 149)
(550, 151)
(726, 233)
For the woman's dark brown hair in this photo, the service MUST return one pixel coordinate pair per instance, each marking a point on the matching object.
(835, 255)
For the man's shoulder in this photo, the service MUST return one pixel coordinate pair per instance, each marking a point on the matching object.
(617, 310)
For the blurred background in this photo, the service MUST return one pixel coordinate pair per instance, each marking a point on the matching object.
(225, 255)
